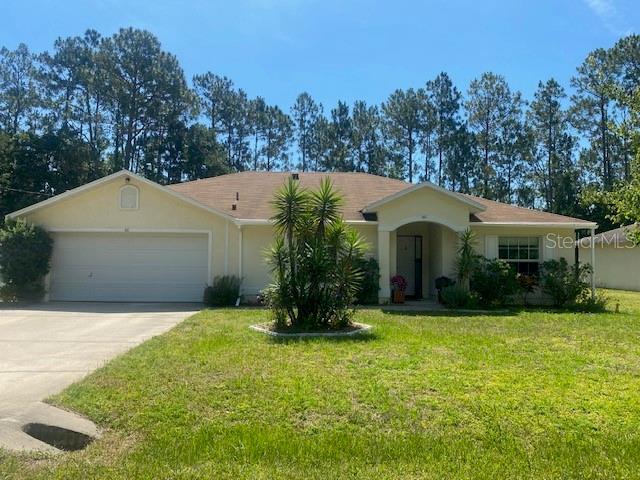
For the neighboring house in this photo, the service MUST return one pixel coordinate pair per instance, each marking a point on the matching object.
(125, 238)
(617, 260)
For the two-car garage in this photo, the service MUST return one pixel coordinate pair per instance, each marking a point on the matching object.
(129, 266)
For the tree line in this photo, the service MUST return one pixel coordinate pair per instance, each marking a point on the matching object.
(95, 104)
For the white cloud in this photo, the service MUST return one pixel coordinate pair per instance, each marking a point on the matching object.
(609, 15)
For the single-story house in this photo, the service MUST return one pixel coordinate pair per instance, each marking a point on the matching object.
(126, 238)
(617, 259)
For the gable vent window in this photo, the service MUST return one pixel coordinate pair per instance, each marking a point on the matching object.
(129, 197)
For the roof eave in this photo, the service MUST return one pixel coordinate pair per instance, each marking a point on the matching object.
(536, 224)
(266, 221)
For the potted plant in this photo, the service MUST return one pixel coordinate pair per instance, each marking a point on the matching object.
(398, 286)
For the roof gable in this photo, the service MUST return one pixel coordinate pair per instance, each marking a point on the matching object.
(101, 181)
(474, 206)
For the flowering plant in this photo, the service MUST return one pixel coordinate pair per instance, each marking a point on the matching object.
(398, 282)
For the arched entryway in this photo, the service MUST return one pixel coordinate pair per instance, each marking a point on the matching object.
(420, 251)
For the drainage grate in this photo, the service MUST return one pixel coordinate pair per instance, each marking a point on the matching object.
(58, 437)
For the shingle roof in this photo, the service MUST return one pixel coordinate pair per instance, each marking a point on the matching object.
(255, 191)
(497, 212)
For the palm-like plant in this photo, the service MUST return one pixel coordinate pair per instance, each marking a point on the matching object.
(314, 259)
(467, 258)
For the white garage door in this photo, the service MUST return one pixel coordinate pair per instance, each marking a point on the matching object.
(129, 267)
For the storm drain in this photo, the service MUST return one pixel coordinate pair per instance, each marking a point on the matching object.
(58, 437)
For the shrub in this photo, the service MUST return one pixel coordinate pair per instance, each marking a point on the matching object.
(592, 304)
(25, 255)
(314, 260)
(457, 296)
(370, 285)
(224, 292)
(493, 281)
(443, 282)
(527, 285)
(565, 284)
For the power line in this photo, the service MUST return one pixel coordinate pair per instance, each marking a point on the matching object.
(26, 191)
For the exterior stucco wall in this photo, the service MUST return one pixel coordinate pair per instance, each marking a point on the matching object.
(255, 274)
(423, 205)
(257, 238)
(240, 250)
(370, 234)
(439, 249)
(616, 267)
(556, 242)
(99, 209)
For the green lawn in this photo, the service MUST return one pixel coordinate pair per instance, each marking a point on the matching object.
(533, 395)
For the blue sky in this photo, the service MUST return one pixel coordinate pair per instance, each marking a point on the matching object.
(345, 50)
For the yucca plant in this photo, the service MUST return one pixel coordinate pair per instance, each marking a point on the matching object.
(467, 259)
(314, 260)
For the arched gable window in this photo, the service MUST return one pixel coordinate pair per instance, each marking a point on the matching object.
(129, 197)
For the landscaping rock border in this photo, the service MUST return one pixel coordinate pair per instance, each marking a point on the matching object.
(264, 328)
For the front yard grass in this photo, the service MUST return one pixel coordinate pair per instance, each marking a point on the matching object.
(527, 395)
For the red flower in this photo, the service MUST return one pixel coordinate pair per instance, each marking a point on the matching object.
(398, 282)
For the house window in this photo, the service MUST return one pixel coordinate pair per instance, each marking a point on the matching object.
(523, 253)
(129, 197)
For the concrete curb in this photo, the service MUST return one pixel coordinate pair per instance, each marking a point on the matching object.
(13, 438)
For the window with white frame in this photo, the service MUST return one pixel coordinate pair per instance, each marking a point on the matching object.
(129, 197)
(523, 253)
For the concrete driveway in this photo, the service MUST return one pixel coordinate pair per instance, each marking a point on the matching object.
(45, 348)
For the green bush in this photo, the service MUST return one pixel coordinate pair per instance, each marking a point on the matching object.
(527, 285)
(444, 282)
(314, 260)
(370, 286)
(592, 304)
(224, 292)
(493, 281)
(25, 255)
(457, 296)
(565, 284)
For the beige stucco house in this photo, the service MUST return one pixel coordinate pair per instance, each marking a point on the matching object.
(617, 259)
(125, 238)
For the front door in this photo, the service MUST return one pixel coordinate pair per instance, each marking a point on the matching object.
(409, 248)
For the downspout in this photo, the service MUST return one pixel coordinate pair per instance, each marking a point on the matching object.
(239, 263)
(226, 248)
(593, 263)
(576, 250)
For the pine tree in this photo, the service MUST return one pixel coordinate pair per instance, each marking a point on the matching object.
(445, 98)
(406, 123)
(305, 113)
(490, 107)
